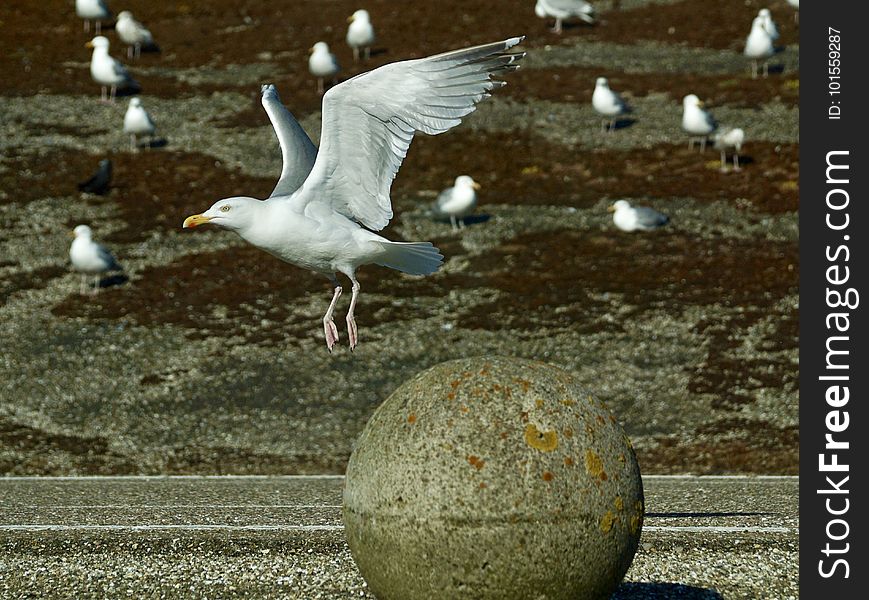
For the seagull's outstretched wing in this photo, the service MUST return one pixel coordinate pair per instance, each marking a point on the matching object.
(297, 149)
(370, 120)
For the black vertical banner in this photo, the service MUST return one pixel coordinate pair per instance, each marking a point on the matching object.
(834, 362)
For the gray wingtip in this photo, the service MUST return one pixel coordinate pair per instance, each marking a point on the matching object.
(514, 41)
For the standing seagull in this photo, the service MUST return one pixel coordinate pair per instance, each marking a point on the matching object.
(327, 225)
(562, 10)
(759, 46)
(92, 10)
(696, 121)
(608, 103)
(90, 258)
(629, 218)
(457, 202)
(107, 71)
(796, 5)
(99, 183)
(730, 138)
(133, 33)
(322, 64)
(360, 33)
(768, 24)
(138, 122)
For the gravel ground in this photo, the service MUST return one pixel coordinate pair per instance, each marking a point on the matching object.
(206, 356)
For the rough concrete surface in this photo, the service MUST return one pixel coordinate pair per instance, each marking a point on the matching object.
(704, 538)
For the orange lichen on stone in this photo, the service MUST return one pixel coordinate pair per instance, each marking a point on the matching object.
(545, 441)
(451, 396)
(455, 383)
(601, 420)
(568, 432)
(594, 465)
(524, 383)
(619, 503)
(607, 521)
(411, 418)
(547, 476)
(568, 461)
(476, 462)
(538, 403)
(635, 524)
(483, 485)
(464, 409)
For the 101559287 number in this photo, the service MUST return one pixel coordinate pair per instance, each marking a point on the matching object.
(834, 72)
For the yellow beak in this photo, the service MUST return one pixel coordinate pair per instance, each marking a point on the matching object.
(476, 186)
(195, 220)
(350, 19)
(89, 45)
(611, 209)
(701, 104)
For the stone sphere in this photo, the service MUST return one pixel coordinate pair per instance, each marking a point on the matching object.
(493, 477)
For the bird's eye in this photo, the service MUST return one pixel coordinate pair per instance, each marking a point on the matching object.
(225, 208)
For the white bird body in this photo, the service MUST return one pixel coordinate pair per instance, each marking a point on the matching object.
(607, 102)
(562, 10)
(458, 201)
(92, 10)
(88, 257)
(696, 121)
(327, 224)
(768, 24)
(759, 45)
(137, 121)
(132, 33)
(322, 64)
(730, 138)
(640, 218)
(360, 33)
(105, 70)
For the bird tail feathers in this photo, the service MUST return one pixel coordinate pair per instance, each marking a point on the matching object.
(414, 258)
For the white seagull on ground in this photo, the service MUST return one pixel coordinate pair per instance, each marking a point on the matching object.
(608, 103)
(360, 33)
(768, 24)
(457, 202)
(640, 218)
(796, 5)
(561, 10)
(696, 121)
(759, 46)
(327, 225)
(107, 71)
(138, 122)
(133, 33)
(90, 258)
(322, 64)
(730, 138)
(92, 10)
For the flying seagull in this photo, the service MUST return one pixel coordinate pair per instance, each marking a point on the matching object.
(327, 225)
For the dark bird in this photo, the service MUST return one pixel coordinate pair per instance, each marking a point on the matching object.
(99, 183)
